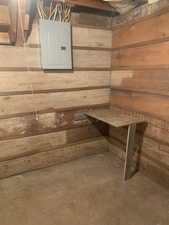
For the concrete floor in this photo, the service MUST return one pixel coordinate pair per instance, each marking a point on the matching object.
(88, 191)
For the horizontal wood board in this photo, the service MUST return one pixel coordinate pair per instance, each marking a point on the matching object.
(154, 28)
(52, 157)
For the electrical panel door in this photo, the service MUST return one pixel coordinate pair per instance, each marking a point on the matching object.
(56, 49)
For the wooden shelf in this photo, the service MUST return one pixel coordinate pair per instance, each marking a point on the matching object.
(116, 119)
(113, 118)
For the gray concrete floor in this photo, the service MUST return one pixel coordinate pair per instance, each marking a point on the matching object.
(88, 191)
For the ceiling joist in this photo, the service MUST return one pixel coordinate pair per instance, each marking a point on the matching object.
(96, 4)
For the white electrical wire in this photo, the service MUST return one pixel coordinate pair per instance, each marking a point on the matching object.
(58, 11)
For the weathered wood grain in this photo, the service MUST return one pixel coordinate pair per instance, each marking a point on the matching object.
(150, 167)
(29, 58)
(149, 81)
(148, 56)
(49, 158)
(81, 36)
(30, 145)
(161, 135)
(87, 132)
(142, 31)
(42, 114)
(139, 82)
(29, 125)
(91, 58)
(149, 148)
(91, 37)
(45, 142)
(12, 56)
(12, 81)
(153, 105)
(39, 102)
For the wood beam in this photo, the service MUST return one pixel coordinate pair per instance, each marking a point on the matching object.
(13, 11)
(21, 22)
(96, 4)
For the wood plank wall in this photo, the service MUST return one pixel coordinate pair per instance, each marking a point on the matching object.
(140, 86)
(41, 114)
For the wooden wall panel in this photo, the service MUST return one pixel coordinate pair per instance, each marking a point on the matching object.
(31, 124)
(20, 147)
(29, 58)
(149, 81)
(38, 102)
(139, 83)
(53, 157)
(81, 36)
(151, 151)
(160, 134)
(91, 37)
(157, 154)
(29, 145)
(42, 114)
(148, 165)
(148, 56)
(19, 57)
(38, 80)
(23, 132)
(154, 28)
(151, 104)
(88, 59)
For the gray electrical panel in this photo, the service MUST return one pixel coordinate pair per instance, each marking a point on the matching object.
(56, 48)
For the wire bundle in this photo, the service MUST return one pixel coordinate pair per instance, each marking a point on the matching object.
(55, 11)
